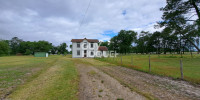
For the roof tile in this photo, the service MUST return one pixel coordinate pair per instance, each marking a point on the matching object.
(81, 40)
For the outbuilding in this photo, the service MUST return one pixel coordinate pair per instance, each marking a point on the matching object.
(41, 54)
(103, 50)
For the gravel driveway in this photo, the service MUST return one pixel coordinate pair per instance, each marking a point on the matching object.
(96, 85)
(110, 82)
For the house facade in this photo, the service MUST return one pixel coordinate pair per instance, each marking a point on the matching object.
(87, 48)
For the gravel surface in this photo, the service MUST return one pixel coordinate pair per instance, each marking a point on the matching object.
(162, 88)
(96, 85)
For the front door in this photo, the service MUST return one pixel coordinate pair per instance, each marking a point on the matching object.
(85, 53)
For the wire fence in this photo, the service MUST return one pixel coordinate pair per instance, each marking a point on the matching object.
(184, 67)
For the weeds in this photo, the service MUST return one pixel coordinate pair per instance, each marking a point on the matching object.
(101, 90)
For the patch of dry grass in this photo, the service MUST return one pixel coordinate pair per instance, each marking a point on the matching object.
(92, 72)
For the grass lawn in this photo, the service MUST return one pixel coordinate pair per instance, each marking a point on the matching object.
(27, 77)
(166, 65)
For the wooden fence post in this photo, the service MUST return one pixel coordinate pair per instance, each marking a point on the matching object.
(149, 64)
(121, 60)
(191, 54)
(181, 68)
(131, 60)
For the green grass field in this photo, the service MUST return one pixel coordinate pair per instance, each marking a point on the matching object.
(56, 77)
(166, 65)
(27, 77)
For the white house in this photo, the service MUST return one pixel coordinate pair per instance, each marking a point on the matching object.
(87, 48)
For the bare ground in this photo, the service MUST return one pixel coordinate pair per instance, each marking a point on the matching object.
(96, 85)
(162, 88)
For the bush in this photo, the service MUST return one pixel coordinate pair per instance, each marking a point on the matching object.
(4, 48)
(28, 52)
(65, 53)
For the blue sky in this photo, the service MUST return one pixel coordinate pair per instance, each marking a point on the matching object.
(124, 12)
(59, 21)
(110, 33)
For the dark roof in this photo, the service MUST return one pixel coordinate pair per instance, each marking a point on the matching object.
(103, 48)
(81, 40)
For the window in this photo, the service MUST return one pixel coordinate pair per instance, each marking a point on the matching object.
(78, 53)
(91, 45)
(91, 53)
(85, 44)
(78, 45)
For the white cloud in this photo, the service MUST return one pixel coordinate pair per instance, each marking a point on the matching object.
(59, 21)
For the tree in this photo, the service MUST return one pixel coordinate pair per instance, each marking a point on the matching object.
(123, 41)
(178, 15)
(26, 45)
(106, 43)
(114, 43)
(70, 46)
(155, 38)
(14, 44)
(54, 49)
(42, 46)
(62, 48)
(145, 43)
(159, 42)
(28, 52)
(126, 38)
(4, 48)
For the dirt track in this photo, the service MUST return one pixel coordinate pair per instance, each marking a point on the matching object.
(114, 82)
(159, 87)
(96, 85)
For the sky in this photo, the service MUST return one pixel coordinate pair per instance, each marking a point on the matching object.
(59, 21)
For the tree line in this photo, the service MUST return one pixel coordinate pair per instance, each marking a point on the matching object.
(181, 32)
(146, 42)
(20, 47)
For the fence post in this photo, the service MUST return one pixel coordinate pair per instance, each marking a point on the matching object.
(131, 60)
(181, 68)
(191, 54)
(121, 60)
(149, 64)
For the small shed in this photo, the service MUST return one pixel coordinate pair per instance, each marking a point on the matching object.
(103, 50)
(41, 54)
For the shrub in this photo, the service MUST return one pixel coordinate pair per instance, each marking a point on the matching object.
(28, 52)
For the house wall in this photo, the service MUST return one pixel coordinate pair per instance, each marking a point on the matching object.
(105, 53)
(102, 53)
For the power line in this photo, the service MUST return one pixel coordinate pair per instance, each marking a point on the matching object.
(84, 15)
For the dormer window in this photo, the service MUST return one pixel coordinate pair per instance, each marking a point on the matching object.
(85, 45)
